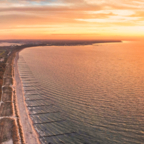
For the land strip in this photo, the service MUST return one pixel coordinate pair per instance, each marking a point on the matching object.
(9, 132)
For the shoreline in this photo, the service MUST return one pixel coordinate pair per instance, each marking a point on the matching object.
(18, 127)
(29, 135)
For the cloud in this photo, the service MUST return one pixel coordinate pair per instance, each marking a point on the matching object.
(69, 16)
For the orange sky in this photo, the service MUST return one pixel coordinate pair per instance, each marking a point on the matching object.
(71, 19)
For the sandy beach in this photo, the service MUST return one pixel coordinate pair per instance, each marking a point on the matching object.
(29, 134)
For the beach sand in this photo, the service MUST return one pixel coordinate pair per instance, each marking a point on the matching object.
(29, 134)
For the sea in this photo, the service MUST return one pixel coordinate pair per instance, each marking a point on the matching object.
(85, 94)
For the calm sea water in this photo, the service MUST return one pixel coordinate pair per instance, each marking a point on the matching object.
(99, 90)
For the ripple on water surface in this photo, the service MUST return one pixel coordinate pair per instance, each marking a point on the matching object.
(85, 94)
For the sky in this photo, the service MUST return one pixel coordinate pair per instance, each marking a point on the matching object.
(71, 19)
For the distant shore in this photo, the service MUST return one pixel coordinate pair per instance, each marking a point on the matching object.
(30, 43)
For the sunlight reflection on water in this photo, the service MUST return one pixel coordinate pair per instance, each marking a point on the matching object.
(98, 88)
